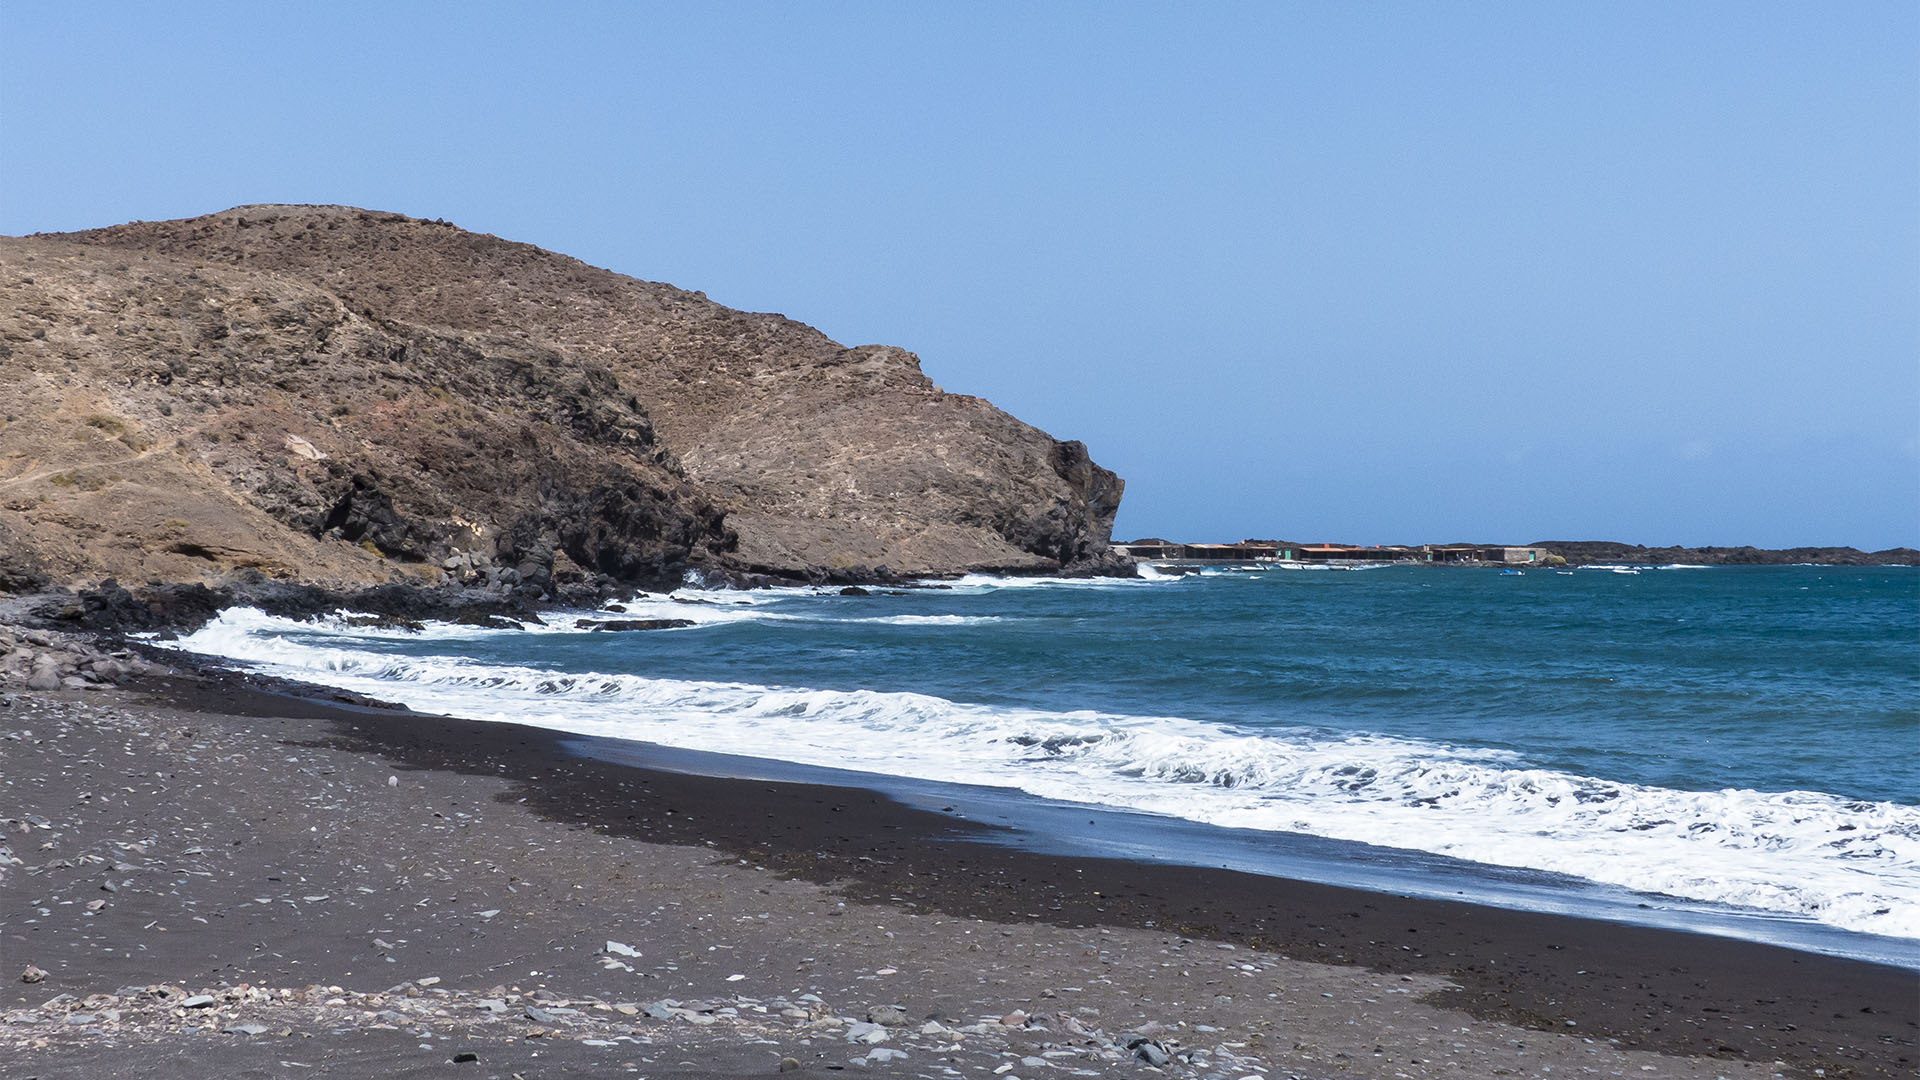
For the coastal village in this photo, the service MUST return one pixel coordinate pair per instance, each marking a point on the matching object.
(1275, 552)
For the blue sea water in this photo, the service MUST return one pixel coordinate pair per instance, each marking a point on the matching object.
(1739, 737)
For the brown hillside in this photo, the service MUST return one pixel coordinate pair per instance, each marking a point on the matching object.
(331, 394)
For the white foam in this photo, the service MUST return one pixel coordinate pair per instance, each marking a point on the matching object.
(1847, 863)
(923, 620)
(703, 609)
(982, 582)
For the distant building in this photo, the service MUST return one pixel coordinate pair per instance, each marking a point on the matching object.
(1163, 551)
(1476, 553)
(1166, 551)
(1352, 553)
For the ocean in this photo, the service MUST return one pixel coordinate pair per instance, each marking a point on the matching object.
(1727, 747)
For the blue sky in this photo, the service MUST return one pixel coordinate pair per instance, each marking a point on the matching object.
(1364, 272)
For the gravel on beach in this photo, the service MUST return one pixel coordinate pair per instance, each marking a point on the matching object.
(201, 878)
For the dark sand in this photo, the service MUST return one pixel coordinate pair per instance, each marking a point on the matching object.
(229, 837)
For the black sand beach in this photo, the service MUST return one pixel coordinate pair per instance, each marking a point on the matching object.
(364, 891)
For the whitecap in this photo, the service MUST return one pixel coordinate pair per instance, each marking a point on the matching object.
(1847, 863)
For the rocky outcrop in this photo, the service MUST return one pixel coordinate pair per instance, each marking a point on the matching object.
(49, 660)
(335, 396)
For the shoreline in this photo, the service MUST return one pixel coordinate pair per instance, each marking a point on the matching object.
(1667, 885)
(1637, 989)
(1254, 910)
(1015, 819)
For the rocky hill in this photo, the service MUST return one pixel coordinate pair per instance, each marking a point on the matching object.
(338, 396)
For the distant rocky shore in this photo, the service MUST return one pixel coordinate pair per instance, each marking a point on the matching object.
(1556, 552)
(1587, 552)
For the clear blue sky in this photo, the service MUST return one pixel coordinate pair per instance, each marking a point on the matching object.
(1362, 272)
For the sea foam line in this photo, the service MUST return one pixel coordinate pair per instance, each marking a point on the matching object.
(1847, 863)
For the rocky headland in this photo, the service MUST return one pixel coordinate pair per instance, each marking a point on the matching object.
(322, 397)
(1592, 552)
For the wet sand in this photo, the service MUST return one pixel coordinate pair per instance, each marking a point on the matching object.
(310, 866)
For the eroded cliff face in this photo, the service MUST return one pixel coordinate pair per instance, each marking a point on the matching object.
(335, 395)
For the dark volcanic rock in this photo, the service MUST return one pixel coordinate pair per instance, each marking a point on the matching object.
(334, 396)
(630, 531)
(17, 574)
(490, 621)
(635, 624)
(365, 513)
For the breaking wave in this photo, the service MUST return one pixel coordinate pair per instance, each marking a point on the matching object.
(1847, 863)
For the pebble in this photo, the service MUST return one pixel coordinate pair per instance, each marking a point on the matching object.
(245, 1029)
(861, 1031)
(888, 1015)
(426, 1014)
(1150, 1052)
